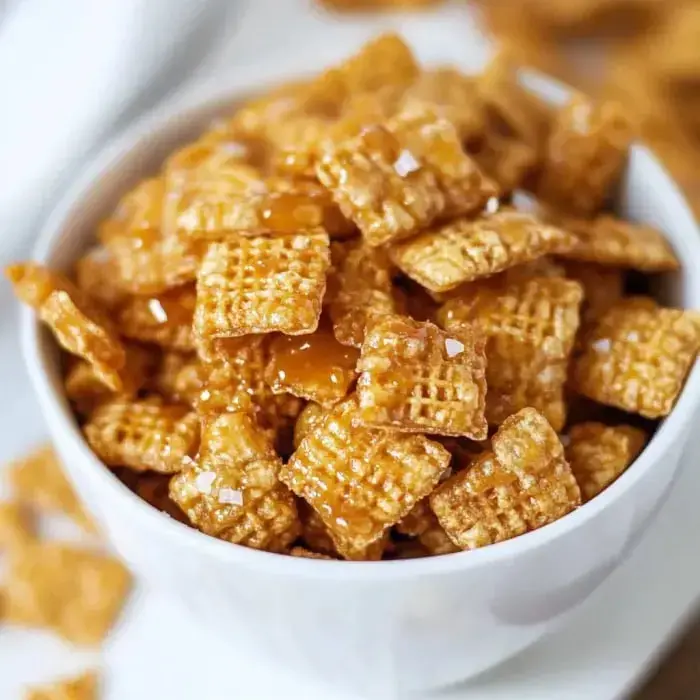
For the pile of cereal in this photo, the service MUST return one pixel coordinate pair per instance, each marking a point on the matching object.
(327, 328)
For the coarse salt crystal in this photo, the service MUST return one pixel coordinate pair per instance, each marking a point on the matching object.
(492, 205)
(602, 345)
(453, 347)
(406, 163)
(157, 311)
(233, 496)
(203, 482)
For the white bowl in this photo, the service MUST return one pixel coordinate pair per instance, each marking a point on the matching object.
(380, 628)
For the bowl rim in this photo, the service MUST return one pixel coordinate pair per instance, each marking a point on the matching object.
(61, 421)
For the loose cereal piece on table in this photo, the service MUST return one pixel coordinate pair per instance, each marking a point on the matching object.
(361, 481)
(143, 435)
(519, 485)
(315, 366)
(585, 155)
(395, 179)
(362, 290)
(81, 688)
(79, 327)
(637, 357)
(262, 284)
(308, 554)
(74, 592)
(231, 490)
(445, 257)
(607, 240)
(602, 286)
(530, 328)
(416, 377)
(16, 527)
(38, 481)
(599, 453)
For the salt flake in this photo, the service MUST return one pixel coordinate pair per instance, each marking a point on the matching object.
(453, 347)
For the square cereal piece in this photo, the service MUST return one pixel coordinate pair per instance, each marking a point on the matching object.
(585, 154)
(598, 454)
(519, 485)
(16, 527)
(314, 367)
(395, 179)
(74, 592)
(143, 435)
(97, 276)
(607, 240)
(80, 327)
(637, 357)
(81, 688)
(262, 284)
(231, 490)
(530, 327)
(445, 257)
(416, 377)
(361, 481)
(38, 481)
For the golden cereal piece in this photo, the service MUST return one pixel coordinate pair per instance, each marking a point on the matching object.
(435, 540)
(519, 485)
(349, 549)
(466, 249)
(315, 367)
(38, 481)
(80, 328)
(607, 240)
(76, 593)
(417, 520)
(164, 380)
(97, 276)
(143, 435)
(585, 155)
(602, 286)
(164, 319)
(83, 687)
(262, 284)
(307, 554)
(637, 357)
(397, 178)
(16, 527)
(308, 419)
(599, 453)
(359, 480)
(530, 328)
(231, 491)
(359, 289)
(416, 377)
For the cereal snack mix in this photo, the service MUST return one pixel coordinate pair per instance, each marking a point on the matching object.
(81, 688)
(637, 356)
(76, 593)
(599, 453)
(362, 480)
(443, 258)
(522, 483)
(231, 489)
(416, 377)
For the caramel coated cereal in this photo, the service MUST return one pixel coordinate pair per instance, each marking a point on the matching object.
(360, 480)
(262, 284)
(602, 286)
(309, 417)
(599, 453)
(231, 490)
(74, 592)
(81, 688)
(466, 249)
(142, 435)
(418, 378)
(97, 276)
(637, 357)
(530, 328)
(16, 528)
(519, 485)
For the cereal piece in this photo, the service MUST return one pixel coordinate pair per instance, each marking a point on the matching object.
(231, 490)
(417, 378)
(359, 480)
(530, 328)
(637, 357)
(97, 276)
(607, 240)
(362, 290)
(164, 319)
(599, 453)
(38, 481)
(435, 540)
(308, 419)
(165, 379)
(417, 520)
(142, 435)
(81, 688)
(602, 286)
(350, 550)
(585, 155)
(74, 592)
(79, 327)
(445, 257)
(315, 367)
(519, 485)
(313, 532)
(16, 528)
(307, 553)
(262, 284)
(394, 179)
